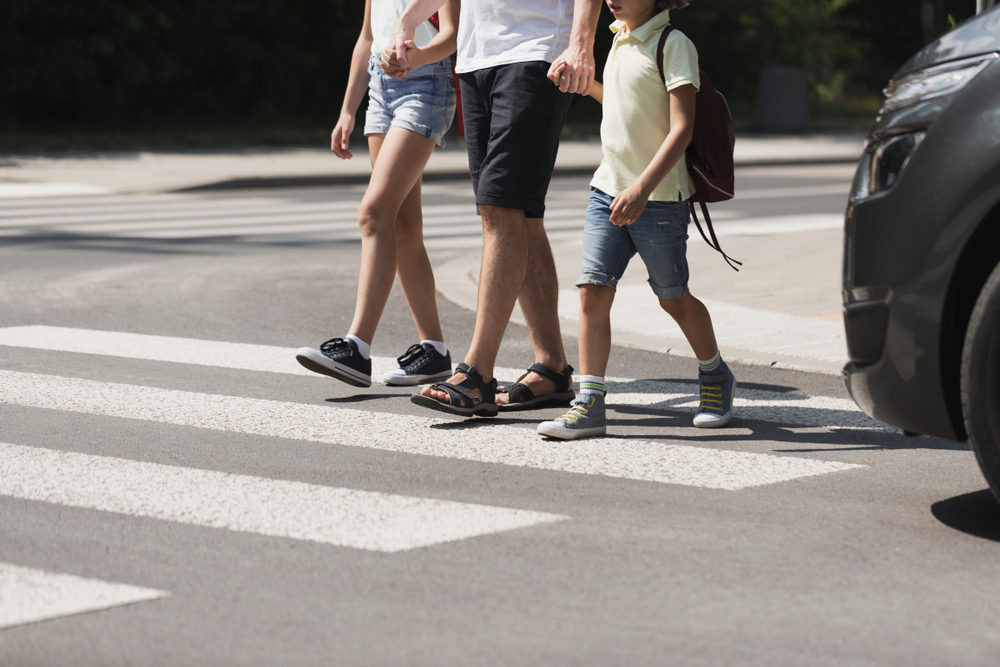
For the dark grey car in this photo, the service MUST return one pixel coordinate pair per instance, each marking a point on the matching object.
(922, 255)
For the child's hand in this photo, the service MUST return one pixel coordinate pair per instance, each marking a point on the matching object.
(555, 72)
(627, 206)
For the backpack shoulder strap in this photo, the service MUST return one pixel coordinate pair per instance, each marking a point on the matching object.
(714, 243)
(659, 50)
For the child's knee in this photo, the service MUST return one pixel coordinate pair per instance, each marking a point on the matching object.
(678, 306)
(595, 298)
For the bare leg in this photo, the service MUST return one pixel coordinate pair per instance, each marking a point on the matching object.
(398, 161)
(539, 299)
(501, 277)
(414, 268)
(694, 320)
(595, 328)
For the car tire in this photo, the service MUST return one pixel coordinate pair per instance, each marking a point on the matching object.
(981, 380)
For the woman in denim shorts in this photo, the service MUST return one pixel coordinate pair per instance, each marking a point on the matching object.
(406, 118)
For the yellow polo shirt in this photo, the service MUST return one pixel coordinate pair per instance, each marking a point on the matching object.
(637, 107)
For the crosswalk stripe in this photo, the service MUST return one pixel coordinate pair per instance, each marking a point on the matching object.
(237, 220)
(771, 406)
(365, 520)
(508, 445)
(28, 595)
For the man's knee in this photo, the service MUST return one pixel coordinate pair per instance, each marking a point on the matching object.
(498, 216)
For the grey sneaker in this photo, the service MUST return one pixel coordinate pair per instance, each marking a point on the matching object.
(420, 364)
(339, 358)
(717, 389)
(584, 418)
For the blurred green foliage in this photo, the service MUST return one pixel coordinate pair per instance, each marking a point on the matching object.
(107, 65)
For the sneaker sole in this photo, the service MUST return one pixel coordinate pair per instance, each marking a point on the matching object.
(334, 370)
(413, 380)
(570, 434)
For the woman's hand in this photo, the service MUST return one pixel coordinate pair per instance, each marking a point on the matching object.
(340, 138)
(392, 63)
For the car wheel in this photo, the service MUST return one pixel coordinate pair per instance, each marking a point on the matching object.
(981, 380)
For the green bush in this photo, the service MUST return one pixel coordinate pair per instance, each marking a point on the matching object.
(108, 66)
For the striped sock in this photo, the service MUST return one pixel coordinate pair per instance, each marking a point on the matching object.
(592, 384)
(707, 366)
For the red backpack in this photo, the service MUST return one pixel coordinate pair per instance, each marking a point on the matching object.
(710, 154)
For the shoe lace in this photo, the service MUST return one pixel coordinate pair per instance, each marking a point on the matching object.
(333, 345)
(711, 398)
(574, 413)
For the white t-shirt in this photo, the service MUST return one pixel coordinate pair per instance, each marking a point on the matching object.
(500, 32)
(385, 14)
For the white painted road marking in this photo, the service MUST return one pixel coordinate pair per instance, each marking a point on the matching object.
(770, 406)
(28, 595)
(497, 443)
(343, 517)
(12, 190)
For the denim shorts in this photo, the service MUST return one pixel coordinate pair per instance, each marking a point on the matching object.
(423, 102)
(659, 235)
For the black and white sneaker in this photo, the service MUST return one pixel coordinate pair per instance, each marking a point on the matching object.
(420, 364)
(339, 358)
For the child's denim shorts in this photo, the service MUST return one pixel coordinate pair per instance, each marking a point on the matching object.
(423, 102)
(659, 235)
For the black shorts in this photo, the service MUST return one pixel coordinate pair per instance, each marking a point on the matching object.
(513, 116)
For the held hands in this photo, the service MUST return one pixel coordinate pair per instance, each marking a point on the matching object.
(399, 45)
(626, 207)
(397, 64)
(573, 71)
(341, 137)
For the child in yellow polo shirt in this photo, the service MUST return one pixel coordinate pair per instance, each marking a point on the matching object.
(638, 204)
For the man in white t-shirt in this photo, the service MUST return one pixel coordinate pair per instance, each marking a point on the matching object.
(508, 50)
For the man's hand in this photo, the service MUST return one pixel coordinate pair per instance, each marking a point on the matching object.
(573, 71)
(392, 62)
(399, 43)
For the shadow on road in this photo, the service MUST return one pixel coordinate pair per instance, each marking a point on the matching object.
(976, 513)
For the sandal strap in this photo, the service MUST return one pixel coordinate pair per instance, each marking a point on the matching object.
(461, 396)
(562, 379)
(520, 392)
(463, 390)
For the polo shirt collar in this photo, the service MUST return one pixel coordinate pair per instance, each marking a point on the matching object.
(653, 26)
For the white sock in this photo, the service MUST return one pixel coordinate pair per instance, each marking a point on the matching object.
(592, 384)
(363, 348)
(707, 366)
(438, 345)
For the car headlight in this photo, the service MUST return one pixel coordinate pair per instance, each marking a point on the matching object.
(936, 81)
(882, 164)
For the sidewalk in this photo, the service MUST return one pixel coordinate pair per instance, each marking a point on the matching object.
(148, 172)
(782, 309)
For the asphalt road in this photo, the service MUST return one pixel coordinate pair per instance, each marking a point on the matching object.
(175, 490)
